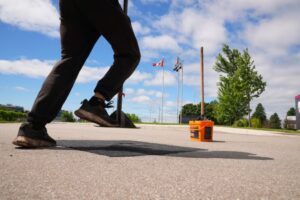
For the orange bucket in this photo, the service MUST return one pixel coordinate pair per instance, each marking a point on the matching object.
(201, 131)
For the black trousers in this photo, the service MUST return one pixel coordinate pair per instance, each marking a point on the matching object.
(82, 23)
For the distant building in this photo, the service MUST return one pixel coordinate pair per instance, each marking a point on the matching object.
(290, 122)
(297, 101)
(12, 107)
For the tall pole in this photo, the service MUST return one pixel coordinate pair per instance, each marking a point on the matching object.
(178, 117)
(125, 6)
(202, 82)
(120, 93)
(181, 92)
(158, 119)
(162, 95)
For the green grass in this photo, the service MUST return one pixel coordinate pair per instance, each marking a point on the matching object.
(267, 129)
(10, 122)
(156, 123)
(249, 128)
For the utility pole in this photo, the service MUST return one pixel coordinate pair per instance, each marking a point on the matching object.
(119, 116)
(162, 95)
(177, 115)
(181, 92)
(202, 81)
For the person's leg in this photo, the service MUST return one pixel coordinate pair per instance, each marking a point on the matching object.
(77, 40)
(110, 20)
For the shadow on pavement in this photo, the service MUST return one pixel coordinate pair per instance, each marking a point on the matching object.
(123, 148)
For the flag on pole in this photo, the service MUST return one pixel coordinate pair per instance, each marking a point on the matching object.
(159, 64)
(178, 65)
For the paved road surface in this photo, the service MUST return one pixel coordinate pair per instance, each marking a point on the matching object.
(152, 162)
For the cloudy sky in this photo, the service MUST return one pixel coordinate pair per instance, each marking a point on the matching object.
(270, 29)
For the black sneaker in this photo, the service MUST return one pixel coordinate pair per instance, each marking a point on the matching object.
(96, 113)
(33, 138)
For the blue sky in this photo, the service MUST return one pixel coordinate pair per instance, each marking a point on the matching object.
(270, 29)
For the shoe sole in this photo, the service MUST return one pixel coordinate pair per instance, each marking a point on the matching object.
(82, 114)
(26, 142)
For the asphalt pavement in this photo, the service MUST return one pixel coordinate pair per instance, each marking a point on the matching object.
(151, 162)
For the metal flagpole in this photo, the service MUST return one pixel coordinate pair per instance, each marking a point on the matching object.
(179, 69)
(181, 91)
(119, 116)
(178, 89)
(158, 119)
(162, 96)
(125, 6)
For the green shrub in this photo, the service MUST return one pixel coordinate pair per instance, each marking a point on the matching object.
(256, 123)
(134, 118)
(6, 115)
(67, 116)
(241, 123)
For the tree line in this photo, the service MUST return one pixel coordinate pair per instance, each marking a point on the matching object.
(11, 116)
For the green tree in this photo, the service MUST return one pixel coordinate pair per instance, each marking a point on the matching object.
(210, 110)
(275, 121)
(134, 118)
(260, 114)
(193, 110)
(239, 84)
(291, 112)
(67, 116)
(190, 110)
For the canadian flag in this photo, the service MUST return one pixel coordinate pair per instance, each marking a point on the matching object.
(159, 64)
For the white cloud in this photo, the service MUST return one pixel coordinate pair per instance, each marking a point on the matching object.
(154, 1)
(282, 83)
(22, 89)
(129, 91)
(193, 28)
(192, 77)
(171, 104)
(139, 29)
(89, 74)
(138, 77)
(30, 68)
(169, 79)
(40, 69)
(233, 10)
(152, 93)
(275, 35)
(148, 55)
(144, 92)
(31, 15)
(141, 99)
(163, 42)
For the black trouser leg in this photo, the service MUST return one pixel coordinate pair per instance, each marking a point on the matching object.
(110, 20)
(77, 40)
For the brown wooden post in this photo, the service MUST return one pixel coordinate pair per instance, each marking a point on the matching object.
(202, 82)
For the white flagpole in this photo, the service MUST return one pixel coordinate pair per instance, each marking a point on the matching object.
(162, 96)
(158, 119)
(177, 116)
(181, 91)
